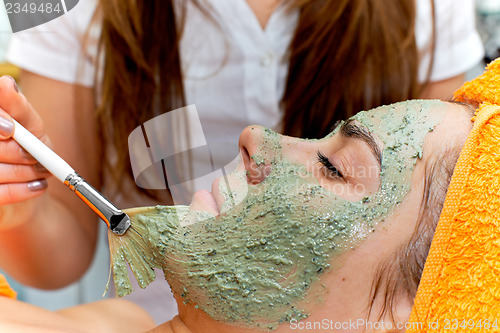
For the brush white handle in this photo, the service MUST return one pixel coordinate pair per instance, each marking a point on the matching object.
(43, 154)
(116, 220)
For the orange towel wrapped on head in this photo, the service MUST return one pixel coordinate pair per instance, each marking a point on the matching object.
(460, 286)
(5, 289)
(484, 88)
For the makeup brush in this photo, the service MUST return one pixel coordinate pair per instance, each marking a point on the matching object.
(118, 222)
(124, 246)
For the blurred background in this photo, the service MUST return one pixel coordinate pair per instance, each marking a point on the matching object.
(92, 285)
(5, 32)
(487, 20)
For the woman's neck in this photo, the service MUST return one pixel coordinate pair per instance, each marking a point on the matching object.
(263, 9)
(197, 321)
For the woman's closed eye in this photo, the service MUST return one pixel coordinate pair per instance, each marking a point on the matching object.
(330, 170)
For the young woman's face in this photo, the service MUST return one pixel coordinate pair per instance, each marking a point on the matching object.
(296, 232)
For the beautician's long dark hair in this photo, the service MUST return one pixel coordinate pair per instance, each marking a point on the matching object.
(345, 56)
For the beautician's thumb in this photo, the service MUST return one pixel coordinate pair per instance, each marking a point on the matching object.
(6, 125)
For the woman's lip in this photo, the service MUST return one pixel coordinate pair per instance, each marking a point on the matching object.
(213, 201)
(204, 200)
(216, 195)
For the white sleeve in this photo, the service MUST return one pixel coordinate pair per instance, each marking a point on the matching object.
(55, 49)
(458, 45)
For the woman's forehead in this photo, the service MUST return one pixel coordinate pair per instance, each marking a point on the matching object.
(403, 126)
(398, 115)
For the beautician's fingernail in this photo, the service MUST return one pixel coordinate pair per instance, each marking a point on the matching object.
(38, 185)
(16, 88)
(40, 168)
(6, 127)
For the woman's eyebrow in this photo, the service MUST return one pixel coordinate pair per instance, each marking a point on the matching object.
(351, 130)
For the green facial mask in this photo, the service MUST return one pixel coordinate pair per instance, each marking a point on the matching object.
(254, 262)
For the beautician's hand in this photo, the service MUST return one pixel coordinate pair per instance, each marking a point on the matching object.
(21, 176)
(47, 235)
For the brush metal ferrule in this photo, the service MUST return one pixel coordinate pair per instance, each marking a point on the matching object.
(117, 221)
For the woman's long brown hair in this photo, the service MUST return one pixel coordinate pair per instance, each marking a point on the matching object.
(141, 75)
(345, 56)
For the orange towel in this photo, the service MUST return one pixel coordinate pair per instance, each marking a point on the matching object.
(484, 88)
(5, 289)
(460, 286)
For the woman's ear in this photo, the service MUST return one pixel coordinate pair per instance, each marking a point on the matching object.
(398, 322)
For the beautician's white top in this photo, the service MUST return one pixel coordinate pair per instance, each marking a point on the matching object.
(54, 50)
(245, 89)
(236, 77)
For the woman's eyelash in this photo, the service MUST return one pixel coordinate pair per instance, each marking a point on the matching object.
(328, 165)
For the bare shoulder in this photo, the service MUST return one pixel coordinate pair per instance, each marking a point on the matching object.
(111, 315)
(16, 316)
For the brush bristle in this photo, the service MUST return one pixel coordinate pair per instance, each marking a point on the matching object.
(139, 248)
(130, 248)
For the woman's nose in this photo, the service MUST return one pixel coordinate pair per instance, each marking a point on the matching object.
(257, 161)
